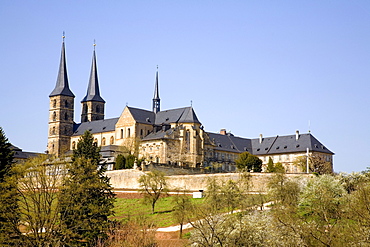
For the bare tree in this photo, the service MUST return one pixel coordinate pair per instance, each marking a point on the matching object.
(153, 185)
(182, 205)
(38, 181)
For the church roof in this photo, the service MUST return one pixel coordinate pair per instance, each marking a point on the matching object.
(98, 126)
(20, 154)
(62, 87)
(230, 143)
(93, 93)
(158, 135)
(179, 115)
(142, 116)
(269, 145)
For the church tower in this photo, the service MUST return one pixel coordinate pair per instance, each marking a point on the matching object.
(93, 104)
(61, 111)
(156, 99)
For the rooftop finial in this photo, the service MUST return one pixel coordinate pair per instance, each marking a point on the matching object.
(157, 66)
(191, 103)
(94, 44)
(63, 36)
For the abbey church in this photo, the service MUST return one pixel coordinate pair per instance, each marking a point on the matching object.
(172, 137)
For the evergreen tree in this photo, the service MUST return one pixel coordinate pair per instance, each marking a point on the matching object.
(120, 162)
(270, 165)
(8, 197)
(86, 197)
(6, 156)
(130, 160)
(87, 148)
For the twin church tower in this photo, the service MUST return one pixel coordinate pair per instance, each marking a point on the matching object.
(61, 109)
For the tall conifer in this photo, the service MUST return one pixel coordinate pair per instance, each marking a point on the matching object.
(8, 195)
(87, 197)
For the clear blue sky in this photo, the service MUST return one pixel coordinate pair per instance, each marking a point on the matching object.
(251, 67)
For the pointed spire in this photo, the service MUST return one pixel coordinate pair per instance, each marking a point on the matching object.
(62, 87)
(156, 99)
(93, 93)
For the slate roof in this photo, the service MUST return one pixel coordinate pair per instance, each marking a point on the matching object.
(179, 115)
(142, 116)
(269, 145)
(93, 93)
(62, 87)
(20, 154)
(288, 144)
(97, 126)
(158, 135)
(230, 143)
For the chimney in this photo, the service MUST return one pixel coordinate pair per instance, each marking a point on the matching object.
(261, 138)
(223, 131)
(296, 135)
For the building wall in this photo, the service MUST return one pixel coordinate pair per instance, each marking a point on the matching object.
(184, 146)
(288, 159)
(102, 139)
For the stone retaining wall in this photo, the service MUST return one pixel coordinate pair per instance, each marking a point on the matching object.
(127, 179)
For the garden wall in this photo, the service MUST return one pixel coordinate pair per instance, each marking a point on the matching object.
(127, 180)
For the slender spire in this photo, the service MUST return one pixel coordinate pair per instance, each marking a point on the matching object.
(156, 99)
(93, 93)
(62, 87)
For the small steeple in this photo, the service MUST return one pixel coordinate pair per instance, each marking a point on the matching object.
(62, 87)
(156, 99)
(93, 93)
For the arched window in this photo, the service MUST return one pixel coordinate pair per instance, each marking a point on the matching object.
(66, 103)
(54, 116)
(97, 109)
(84, 109)
(141, 132)
(65, 130)
(111, 140)
(187, 138)
(96, 142)
(55, 103)
(103, 141)
(128, 132)
(53, 131)
(121, 133)
(52, 148)
(65, 116)
(73, 145)
(85, 118)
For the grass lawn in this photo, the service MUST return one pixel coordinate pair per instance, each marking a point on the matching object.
(131, 208)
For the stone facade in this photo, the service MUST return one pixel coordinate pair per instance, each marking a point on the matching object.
(128, 180)
(61, 111)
